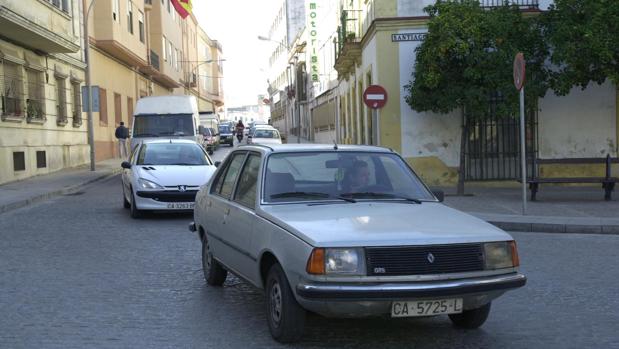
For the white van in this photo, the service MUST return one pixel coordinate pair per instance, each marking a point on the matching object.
(166, 117)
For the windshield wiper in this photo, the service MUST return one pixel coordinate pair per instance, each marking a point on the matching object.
(146, 135)
(382, 195)
(293, 194)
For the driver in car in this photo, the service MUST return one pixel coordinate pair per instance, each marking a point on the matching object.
(357, 178)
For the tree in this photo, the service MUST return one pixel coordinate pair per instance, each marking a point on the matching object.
(584, 37)
(467, 59)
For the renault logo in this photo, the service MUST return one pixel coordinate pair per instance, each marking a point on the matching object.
(182, 188)
(430, 258)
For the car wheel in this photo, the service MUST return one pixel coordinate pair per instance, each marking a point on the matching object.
(210, 152)
(285, 316)
(472, 318)
(135, 212)
(214, 272)
(126, 204)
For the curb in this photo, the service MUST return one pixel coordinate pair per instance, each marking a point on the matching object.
(560, 225)
(46, 196)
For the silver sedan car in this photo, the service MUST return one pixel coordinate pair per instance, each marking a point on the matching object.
(164, 175)
(347, 231)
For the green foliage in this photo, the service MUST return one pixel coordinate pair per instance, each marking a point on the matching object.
(467, 59)
(584, 36)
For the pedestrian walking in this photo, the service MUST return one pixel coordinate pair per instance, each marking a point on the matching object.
(122, 133)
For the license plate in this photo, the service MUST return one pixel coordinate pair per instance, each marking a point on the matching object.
(181, 205)
(426, 308)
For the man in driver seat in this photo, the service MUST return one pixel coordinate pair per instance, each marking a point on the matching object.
(357, 177)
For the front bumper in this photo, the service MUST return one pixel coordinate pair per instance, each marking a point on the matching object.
(398, 291)
(354, 300)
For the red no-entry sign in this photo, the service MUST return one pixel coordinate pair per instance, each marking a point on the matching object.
(375, 96)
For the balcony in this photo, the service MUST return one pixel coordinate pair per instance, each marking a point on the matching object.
(39, 28)
(522, 4)
(348, 49)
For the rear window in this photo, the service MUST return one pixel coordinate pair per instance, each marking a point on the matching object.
(163, 125)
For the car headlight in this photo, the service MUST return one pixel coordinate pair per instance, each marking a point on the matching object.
(146, 184)
(500, 255)
(336, 261)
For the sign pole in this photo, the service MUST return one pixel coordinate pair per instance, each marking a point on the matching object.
(523, 155)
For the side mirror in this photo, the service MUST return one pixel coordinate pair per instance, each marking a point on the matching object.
(217, 163)
(125, 164)
(440, 195)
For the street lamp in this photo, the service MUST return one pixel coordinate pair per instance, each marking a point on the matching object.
(91, 128)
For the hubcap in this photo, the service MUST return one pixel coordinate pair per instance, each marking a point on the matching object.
(276, 303)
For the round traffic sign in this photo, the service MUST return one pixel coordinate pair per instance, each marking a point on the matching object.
(519, 71)
(375, 96)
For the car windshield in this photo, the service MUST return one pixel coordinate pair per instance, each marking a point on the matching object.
(333, 175)
(181, 154)
(163, 125)
(207, 132)
(265, 134)
(224, 129)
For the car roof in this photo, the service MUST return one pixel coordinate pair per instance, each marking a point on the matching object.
(310, 147)
(169, 140)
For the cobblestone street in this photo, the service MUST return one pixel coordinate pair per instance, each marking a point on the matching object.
(78, 272)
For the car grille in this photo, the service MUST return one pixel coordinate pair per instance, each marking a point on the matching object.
(169, 196)
(415, 260)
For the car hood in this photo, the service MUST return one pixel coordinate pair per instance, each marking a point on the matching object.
(266, 141)
(167, 175)
(380, 224)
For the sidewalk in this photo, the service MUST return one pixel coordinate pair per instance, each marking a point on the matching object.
(558, 209)
(28, 191)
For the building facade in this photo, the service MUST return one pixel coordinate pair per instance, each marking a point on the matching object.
(42, 127)
(376, 45)
(144, 48)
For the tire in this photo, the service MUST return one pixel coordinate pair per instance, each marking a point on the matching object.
(126, 204)
(210, 152)
(135, 212)
(214, 272)
(285, 316)
(471, 319)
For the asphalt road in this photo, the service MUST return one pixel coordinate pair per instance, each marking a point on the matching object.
(78, 272)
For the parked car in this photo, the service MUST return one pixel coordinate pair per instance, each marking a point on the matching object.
(264, 135)
(226, 134)
(164, 175)
(210, 140)
(347, 231)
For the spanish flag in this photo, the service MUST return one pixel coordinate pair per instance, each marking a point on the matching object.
(183, 7)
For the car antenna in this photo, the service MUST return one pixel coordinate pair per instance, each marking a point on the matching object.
(334, 145)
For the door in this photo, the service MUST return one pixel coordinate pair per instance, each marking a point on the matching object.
(240, 221)
(217, 229)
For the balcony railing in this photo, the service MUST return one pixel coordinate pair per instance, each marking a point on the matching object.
(522, 4)
(154, 59)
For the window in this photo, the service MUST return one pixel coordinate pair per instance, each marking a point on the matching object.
(62, 5)
(116, 10)
(41, 159)
(118, 108)
(102, 107)
(164, 48)
(35, 100)
(224, 184)
(246, 188)
(61, 100)
(19, 161)
(141, 25)
(176, 59)
(170, 52)
(130, 110)
(130, 16)
(12, 93)
(77, 103)
(168, 6)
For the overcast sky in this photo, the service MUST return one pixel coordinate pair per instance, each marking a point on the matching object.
(236, 24)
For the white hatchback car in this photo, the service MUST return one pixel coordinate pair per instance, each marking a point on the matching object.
(164, 175)
(264, 134)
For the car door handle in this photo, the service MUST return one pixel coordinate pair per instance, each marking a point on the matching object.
(226, 213)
